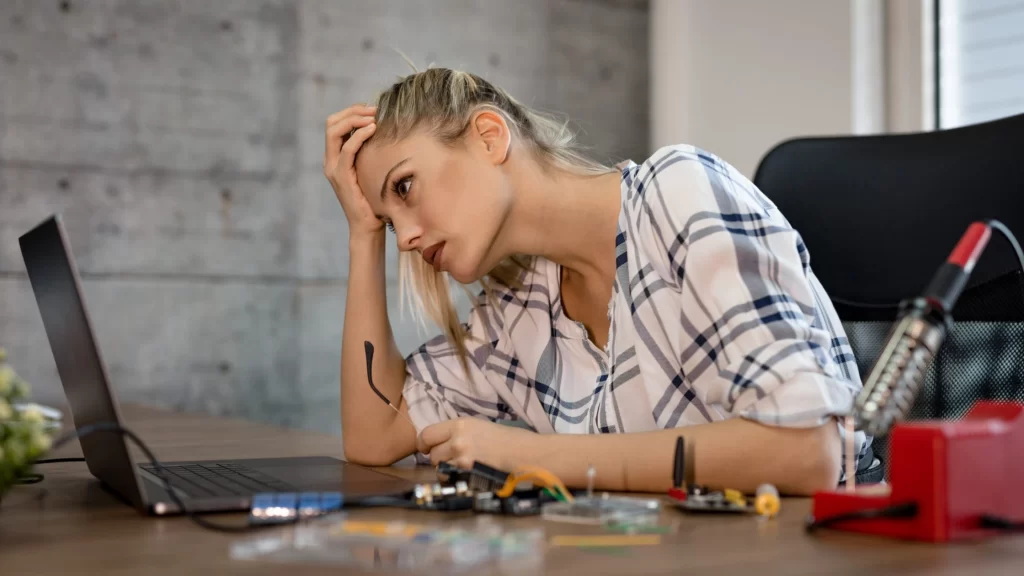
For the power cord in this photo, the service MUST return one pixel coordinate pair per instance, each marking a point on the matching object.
(158, 468)
(908, 510)
(56, 460)
(36, 478)
(1001, 228)
(1000, 523)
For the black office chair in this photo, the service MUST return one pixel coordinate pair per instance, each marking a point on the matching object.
(879, 214)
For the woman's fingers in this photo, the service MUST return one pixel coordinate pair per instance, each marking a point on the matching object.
(344, 133)
(351, 146)
(354, 110)
(433, 435)
(441, 453)
(335, 135)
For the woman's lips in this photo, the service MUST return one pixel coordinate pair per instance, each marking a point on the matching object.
(432, 255)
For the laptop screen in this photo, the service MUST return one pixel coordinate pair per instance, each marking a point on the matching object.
(57, 288)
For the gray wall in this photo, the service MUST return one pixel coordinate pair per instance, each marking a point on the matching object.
(182, 142)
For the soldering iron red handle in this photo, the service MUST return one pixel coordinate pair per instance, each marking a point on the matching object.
(952, 276)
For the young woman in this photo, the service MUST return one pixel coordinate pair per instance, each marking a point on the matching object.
(621, 307)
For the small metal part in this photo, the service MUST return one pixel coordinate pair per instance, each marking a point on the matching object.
(713, 501)
(439, 496)
(483, 478)
(521, 503)
(591, 473)
(449, 473)
(734, 496)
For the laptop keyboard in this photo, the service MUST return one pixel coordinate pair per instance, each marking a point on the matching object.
(198, 480)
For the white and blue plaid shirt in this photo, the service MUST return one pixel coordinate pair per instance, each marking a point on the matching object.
(715, 313)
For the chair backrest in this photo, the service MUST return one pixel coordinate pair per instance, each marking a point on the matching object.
(879, 214)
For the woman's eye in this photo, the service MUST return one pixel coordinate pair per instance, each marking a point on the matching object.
(391, 227)
(401, 188)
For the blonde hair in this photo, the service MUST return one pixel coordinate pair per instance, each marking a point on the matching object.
(442, 102)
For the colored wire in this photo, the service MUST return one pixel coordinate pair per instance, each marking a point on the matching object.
(525, 473)
(533, 473)
(510, 485)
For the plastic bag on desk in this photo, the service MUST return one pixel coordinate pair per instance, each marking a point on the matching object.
(399, 546)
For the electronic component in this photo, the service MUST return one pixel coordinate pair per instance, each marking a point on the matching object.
(284, 507)
(491, 491)
(682, 471)
(533, 474)
(693, 498)
(483, 478)
(714, 501)
(767, 501)
(604, 509)
(520, 503)
(442, 497)
(448, 473)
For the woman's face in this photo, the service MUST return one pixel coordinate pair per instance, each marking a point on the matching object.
(446, 202)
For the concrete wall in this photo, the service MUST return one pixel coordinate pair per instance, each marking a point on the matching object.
(181, 141)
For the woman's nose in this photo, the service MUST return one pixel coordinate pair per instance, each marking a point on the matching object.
(408, 237)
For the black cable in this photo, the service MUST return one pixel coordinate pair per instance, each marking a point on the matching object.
(1000, 523)
(1001, 228)
(908, 510)
(380, 502)
(56, 460)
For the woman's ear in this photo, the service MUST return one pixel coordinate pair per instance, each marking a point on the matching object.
(490, 131)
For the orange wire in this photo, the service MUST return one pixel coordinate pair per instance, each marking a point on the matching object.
(533, 473)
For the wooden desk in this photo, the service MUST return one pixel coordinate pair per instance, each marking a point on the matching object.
(80, 528)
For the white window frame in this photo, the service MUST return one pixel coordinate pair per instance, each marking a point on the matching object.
(910, 66)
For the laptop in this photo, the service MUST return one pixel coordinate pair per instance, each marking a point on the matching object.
(204, 486)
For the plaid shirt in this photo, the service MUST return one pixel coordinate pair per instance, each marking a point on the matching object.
(715, 313)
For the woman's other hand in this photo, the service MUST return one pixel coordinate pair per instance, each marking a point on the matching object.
(466, 440)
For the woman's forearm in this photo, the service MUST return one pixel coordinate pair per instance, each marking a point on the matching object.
(735, 453)
(373, 433)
